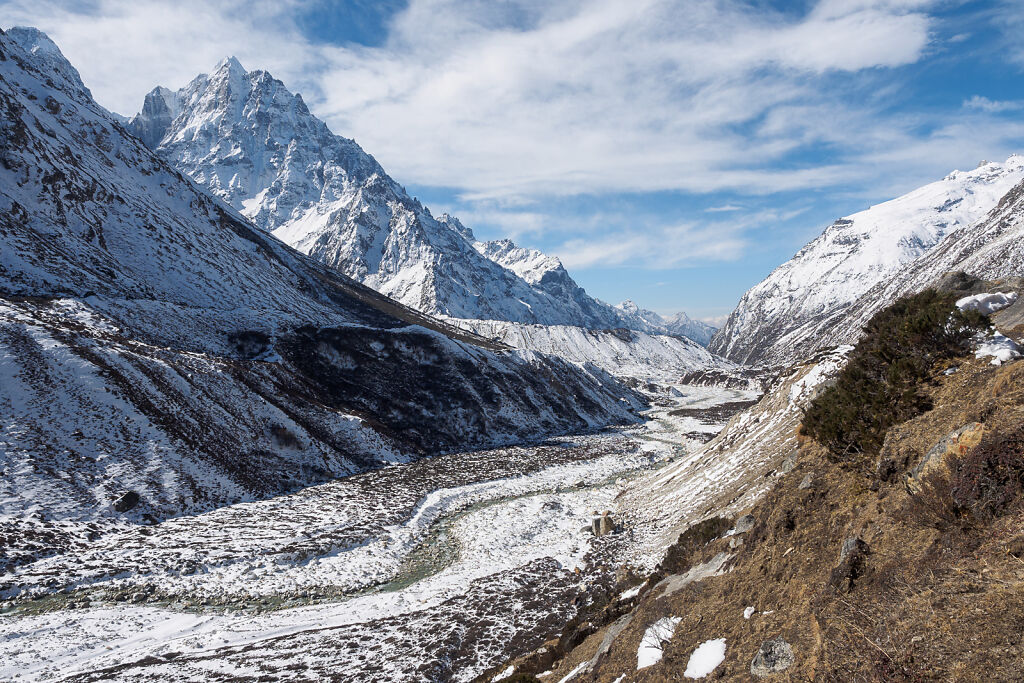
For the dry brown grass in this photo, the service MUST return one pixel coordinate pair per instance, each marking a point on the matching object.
(931, 602)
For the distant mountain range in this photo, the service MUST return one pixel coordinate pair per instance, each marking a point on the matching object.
(154, 344)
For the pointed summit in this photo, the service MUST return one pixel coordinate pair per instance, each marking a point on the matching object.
(230, 65)
(250, 141)
(48, 55)
(159, 109)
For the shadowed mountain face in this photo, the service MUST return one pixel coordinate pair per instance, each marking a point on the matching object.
(153, 341)
(247, 139)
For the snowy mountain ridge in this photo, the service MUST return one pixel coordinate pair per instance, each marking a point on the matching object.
(992, 249)
(778, 317)
(248, 140)
(159, 355)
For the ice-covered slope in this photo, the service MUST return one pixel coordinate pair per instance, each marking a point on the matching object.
(991, 249)
(152, 341)
(624, 353)
(779, 316)
(250, 141)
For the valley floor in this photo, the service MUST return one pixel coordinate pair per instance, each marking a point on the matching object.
(434, 570)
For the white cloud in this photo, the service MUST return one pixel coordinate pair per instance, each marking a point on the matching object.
(668, 247)
(984, 104)
(715, 321)
(123, 48)
(647, 244)
(528, 98)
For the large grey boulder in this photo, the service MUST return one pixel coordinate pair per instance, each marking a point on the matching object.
(744, 524)
(603, 524)
(954, 444)
(774, 656)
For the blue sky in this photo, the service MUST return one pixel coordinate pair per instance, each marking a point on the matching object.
(668, 152)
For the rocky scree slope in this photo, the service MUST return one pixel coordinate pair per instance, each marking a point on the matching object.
(782, 318)
(248, 140)
(159, 351)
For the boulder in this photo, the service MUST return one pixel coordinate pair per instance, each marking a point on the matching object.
(956, 443)
(744, 524)
(603, 524)
(127, 501)
(774, 656)
(852, 557)
(807, 482)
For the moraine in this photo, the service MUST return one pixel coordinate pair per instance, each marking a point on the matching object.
(348, 575)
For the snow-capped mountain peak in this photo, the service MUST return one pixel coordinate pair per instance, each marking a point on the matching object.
(46, 53)
(852, 255)
(679, 324)
(247, 139)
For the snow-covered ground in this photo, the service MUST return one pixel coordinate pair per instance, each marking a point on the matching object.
(483, 552)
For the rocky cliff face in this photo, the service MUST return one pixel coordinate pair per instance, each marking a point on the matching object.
(777, 319)
(153, 341)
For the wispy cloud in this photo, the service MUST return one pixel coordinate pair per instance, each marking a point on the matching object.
(667, 247)
(647, 244)
(979, 103)
(530, 98)
(715, 321)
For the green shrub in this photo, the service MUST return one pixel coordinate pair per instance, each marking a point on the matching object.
(881, 384)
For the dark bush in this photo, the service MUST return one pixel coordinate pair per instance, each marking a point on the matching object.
(989, 480)
(679, 556)
(880, 385)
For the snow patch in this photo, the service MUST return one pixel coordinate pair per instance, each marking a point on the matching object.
(506, 673)
(653, 643)
(1001, 348)
(575, 672)
(705, 658)
(987, 303)
(631, 593)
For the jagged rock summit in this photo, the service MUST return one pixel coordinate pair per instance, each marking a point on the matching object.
(248, 140)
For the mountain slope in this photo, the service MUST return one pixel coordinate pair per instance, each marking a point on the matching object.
(785, 311)
(621, 352)
(992, 249)
(154, 345)
(248, 140)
